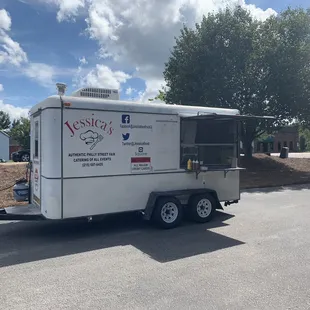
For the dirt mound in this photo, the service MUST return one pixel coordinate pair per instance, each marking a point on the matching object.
(264, 171)
(9, 172)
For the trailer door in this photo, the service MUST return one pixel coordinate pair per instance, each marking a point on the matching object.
(36, 160)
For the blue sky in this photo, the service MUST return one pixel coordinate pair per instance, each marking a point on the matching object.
(120, 44)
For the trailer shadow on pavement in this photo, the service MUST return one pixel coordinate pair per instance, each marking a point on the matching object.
(23, 242)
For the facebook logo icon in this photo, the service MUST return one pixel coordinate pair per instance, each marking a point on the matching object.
(125, 119)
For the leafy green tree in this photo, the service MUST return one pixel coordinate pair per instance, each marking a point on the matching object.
(161, 96)
(5, 121)
(21, 132)
(303, 143)
(304, 140)
(232, 60)
(15, 123)
(286, 56)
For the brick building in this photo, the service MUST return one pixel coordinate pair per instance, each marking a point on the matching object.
(14, 146)
(285, 137)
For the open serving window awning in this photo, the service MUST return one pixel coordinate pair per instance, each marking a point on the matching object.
(214, 116)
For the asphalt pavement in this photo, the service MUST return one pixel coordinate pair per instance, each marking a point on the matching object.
(255, 255)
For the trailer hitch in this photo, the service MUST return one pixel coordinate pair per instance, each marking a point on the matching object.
(228, 203)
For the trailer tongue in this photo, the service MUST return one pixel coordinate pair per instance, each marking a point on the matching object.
(29, 212)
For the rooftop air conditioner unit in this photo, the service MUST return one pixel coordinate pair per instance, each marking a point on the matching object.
(92, 92)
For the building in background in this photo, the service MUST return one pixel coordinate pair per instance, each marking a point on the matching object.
(14, 146)
(4, 145)
(285, 137)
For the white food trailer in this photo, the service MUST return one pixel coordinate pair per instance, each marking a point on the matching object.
(93, 154)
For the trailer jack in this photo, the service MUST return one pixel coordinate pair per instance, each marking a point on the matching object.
(228, 203)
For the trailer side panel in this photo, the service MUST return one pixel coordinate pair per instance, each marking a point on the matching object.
(91, 196)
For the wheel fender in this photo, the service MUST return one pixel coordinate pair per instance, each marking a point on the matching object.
(214, 194)
(151, 205)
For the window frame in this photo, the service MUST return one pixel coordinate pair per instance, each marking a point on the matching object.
(36, 139)
(237, 118)
(235, 145)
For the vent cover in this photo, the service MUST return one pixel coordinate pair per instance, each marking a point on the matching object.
(102, 93)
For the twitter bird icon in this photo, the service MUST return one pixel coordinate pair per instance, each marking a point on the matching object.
(125, 136)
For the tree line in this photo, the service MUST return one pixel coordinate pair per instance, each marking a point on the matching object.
(232, 60)
(18, 130)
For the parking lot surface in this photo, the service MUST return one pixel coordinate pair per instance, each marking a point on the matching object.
(254, 255)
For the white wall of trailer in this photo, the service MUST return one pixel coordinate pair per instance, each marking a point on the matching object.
(101, 195)
(124, 139)
(129, 106)
(114, 157)
(4, 146)
(50, 145)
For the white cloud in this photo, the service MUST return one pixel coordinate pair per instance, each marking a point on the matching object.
(10, 50)
(138, 33)
(1, 87)
(256, 11)
(41, 73)
(14, 112)
(45, 75)
(83, 61)
(129, 91)
(151, 91)
(68, 9)
(142, 33)
(14, 59)
(131, 31)
(101, 76)
(5, 20)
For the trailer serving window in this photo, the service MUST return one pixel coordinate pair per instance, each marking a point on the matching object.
(211, 139)
(213, 142)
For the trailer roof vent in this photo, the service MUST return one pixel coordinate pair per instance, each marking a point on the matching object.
(92, 92)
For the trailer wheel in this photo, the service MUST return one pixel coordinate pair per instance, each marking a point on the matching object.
(201, 208)
(168, 212)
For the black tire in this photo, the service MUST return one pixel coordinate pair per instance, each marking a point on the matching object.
(201, 208)
(168, 212)
(25, 157)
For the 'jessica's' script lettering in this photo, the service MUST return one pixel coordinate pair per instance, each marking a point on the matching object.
(89, 122)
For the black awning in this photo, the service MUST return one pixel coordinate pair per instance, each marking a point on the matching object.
(226, 117)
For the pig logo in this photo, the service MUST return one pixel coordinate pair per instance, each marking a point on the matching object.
(91, 138)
